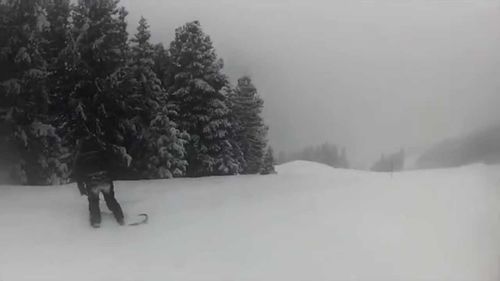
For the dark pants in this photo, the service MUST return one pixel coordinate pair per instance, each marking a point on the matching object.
(108, 192)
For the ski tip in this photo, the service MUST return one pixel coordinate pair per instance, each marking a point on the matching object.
(144, 220)
(146, 217)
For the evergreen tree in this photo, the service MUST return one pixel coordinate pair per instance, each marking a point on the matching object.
(198, 93)
(24, 91)
(167, 153)
(58, 17)
(246, 106)
(237, 152)
(268, 163)
(56, 39)
(94, 59)
(162, 65)
(157, 146)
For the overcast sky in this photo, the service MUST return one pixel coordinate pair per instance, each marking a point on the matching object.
(373, 76)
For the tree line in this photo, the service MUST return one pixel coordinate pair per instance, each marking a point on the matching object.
(69, 71)
(390, 163)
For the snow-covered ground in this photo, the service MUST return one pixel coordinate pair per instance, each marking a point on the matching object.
(309, 222)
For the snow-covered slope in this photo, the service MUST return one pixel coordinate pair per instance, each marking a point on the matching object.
(309, 222)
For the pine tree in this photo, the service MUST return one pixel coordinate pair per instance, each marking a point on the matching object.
(236, 153)
(94, 59)
(162, 65)
(246, 106)
(56, 38)
(167, 153)
(25, 94)
(268, 163)
(158, 146)
(198, 93)
(58, 17)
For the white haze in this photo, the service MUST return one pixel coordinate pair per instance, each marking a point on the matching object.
(373, 76)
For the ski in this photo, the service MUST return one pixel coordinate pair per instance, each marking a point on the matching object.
(144, 220)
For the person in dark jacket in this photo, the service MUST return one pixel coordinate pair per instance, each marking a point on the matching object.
(92, 172)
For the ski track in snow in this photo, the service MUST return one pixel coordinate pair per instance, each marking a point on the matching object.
(309, 222)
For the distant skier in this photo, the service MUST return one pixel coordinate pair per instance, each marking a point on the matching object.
(92, 172)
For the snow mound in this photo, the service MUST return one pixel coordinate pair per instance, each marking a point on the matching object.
(303, 167)
(308, 222)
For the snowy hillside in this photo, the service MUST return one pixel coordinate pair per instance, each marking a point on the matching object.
(309, 222)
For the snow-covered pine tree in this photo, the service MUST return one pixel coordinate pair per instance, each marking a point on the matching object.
(162, 65)
(166, 147)
(197, 91)
(25, 94)
(56, 35)
(96, 54)
(58, 17)
(56, 38)
(268, 163)
(5, 129)
(158, 146)
(237, 153)
(251, 132)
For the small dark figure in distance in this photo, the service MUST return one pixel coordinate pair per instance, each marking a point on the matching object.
(92, 172)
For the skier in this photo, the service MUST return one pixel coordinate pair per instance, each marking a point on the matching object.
(92, 172)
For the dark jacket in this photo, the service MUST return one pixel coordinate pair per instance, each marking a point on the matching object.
(92, 163)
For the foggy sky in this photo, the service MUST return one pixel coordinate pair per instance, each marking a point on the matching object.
(373, 76)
